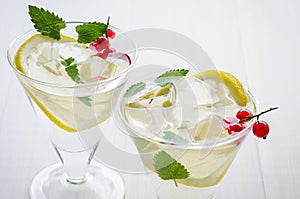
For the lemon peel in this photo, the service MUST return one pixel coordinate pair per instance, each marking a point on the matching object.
(49, 114)
(234, 86)
(163, 91)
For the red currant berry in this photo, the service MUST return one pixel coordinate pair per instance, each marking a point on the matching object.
(102, 43)
(101, 39)
(104, 53)
(229, 120)
(111, 34)
(243, 113)
(110, 50)
(261, 129)
(94, 44)
(100, 78)
(232, 125)
(233, 128)
(101, 47)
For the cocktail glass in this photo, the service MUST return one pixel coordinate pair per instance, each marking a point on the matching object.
(75, 112)
(182, 122)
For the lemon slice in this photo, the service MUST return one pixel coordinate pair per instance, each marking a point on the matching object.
(135, 105)
(158, 97)
(65, 110)
(68, 112)
(46, 110)
(20, 57)
(29, 46)
(163, 91)
(234, 86)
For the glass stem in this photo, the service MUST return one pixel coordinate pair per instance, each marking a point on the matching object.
(75, 164)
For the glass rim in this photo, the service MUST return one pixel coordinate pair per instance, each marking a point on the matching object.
(10, 58)
(201, 145)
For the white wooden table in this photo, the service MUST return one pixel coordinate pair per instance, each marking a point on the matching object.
(256, 40)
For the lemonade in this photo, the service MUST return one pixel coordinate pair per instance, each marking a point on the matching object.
(183, 122)
(71, 106)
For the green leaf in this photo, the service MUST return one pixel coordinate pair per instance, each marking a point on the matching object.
(86, 100)
(73, 73)
(175, 72)
(170, 76)
(174, 138)
(46, 23)
(135, 88)
(71, 70)
(67, 62)
(168, 168)
(90, 32)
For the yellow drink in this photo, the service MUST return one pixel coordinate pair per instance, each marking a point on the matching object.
(189, 129)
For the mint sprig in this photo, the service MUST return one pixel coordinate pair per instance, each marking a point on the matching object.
(71, 69)
(90, 32)
(170, 76)
(135, 88)
(47, 23)
(168, 168)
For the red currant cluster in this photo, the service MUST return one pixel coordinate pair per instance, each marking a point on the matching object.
(236, 124)
(102, 44)
(103, 49)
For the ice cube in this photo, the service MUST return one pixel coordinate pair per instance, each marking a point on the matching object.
(94, 68)
(191, 93)
(209, 129)
(144, 111)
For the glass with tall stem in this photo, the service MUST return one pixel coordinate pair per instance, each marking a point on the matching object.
(73, 107)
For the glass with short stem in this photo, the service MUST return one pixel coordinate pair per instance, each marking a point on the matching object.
(72, 115)
(182, 121)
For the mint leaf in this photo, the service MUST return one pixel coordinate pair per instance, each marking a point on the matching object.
(175, 72)
(73, 73)
(46, 23)
(86, 100)
(90, 32)
(135, 88)
(168, 168)
(67, 62)
(174, 138)
(170, 76)
(71, 70)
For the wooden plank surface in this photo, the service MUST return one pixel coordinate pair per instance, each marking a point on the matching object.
(270, 38)
(256, 40)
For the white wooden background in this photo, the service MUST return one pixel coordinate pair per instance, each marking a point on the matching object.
(257, 40)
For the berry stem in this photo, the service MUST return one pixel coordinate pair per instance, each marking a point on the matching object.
(107, 24)
(257, 115)
(176, 184)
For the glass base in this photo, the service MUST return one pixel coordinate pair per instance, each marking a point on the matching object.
(101, 183)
